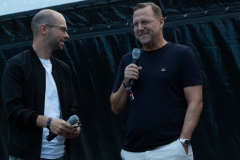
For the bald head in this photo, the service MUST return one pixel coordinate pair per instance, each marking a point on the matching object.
(46, 16)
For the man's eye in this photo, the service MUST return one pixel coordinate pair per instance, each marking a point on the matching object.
(135, 24)
(63, 29)
(144, 22)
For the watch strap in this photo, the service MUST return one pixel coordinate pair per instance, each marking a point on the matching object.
(125, 86)
(48, 122)
(185, 142)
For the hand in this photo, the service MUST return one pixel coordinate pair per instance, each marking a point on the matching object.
(60, 127)
(75, 131)
(185, 148)
(131, 72)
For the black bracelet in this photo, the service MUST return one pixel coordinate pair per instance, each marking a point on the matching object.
(125, 86)
(48, 122)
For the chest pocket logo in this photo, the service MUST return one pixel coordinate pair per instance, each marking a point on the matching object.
(163, 69)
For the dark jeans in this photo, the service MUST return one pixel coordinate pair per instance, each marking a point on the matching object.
(16, 158)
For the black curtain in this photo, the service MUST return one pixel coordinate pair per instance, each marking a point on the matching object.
(97, 42)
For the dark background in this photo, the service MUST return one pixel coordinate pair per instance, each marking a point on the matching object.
(100, 35)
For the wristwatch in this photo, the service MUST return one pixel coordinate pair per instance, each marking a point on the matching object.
(185, 142)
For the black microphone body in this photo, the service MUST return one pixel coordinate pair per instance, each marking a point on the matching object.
(135, 56)
(72, 120)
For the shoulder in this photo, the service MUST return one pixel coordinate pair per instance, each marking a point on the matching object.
(178, 47)
(180, 50)
(126, 59)
(20, 55)
(128, 55)
(61, 67)
(18, 58)
(60, 63)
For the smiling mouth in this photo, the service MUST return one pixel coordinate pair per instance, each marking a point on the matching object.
(143, 34)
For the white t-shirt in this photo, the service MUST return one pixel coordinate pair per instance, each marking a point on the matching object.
(55, 148)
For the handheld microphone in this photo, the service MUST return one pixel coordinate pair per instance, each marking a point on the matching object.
(71, 120)
(135, 56)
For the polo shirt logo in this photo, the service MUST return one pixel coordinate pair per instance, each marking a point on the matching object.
(163, 69)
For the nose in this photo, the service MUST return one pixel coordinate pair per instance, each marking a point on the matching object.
(140, 26)
(65, 34)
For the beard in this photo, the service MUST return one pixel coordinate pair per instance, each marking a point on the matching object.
(55, 42)
(57, 45)
(145, 38)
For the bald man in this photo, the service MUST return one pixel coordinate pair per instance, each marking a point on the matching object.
(38, 94)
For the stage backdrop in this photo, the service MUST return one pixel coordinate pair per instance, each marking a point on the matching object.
(100, 35)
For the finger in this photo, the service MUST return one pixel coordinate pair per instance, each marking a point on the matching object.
(65, 128)
(132, 66)
(73, 134)
(133, 75)
(131, 69)
(131, 72)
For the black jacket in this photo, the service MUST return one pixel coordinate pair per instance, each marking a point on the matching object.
(23, 93)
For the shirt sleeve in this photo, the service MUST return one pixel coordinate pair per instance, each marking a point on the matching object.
(191, 69)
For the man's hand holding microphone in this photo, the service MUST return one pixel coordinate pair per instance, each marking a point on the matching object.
(131, 72)
(70, 129)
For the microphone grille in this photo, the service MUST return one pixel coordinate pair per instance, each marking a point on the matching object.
(136, 53)
(73, 119)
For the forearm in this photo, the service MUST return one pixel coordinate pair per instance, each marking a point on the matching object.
(58, 126)
(41, 121)
(191, 119)
(119, 100)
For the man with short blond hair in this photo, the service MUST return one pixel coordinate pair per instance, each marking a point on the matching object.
(167, 103)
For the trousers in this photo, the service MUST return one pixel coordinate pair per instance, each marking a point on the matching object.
(16, 158)
(172, 151)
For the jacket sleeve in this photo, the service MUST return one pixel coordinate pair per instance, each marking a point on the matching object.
(73, 105)
(12, 96)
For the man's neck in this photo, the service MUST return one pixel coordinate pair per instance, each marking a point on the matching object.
(152, 47)
(42, 52)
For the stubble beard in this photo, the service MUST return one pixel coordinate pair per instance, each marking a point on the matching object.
(55, 43)
(145, 40)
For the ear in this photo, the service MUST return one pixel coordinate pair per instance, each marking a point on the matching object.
(43, 29)
(161, 20)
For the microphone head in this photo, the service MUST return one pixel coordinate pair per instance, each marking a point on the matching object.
(73, 119)
(136, 53)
